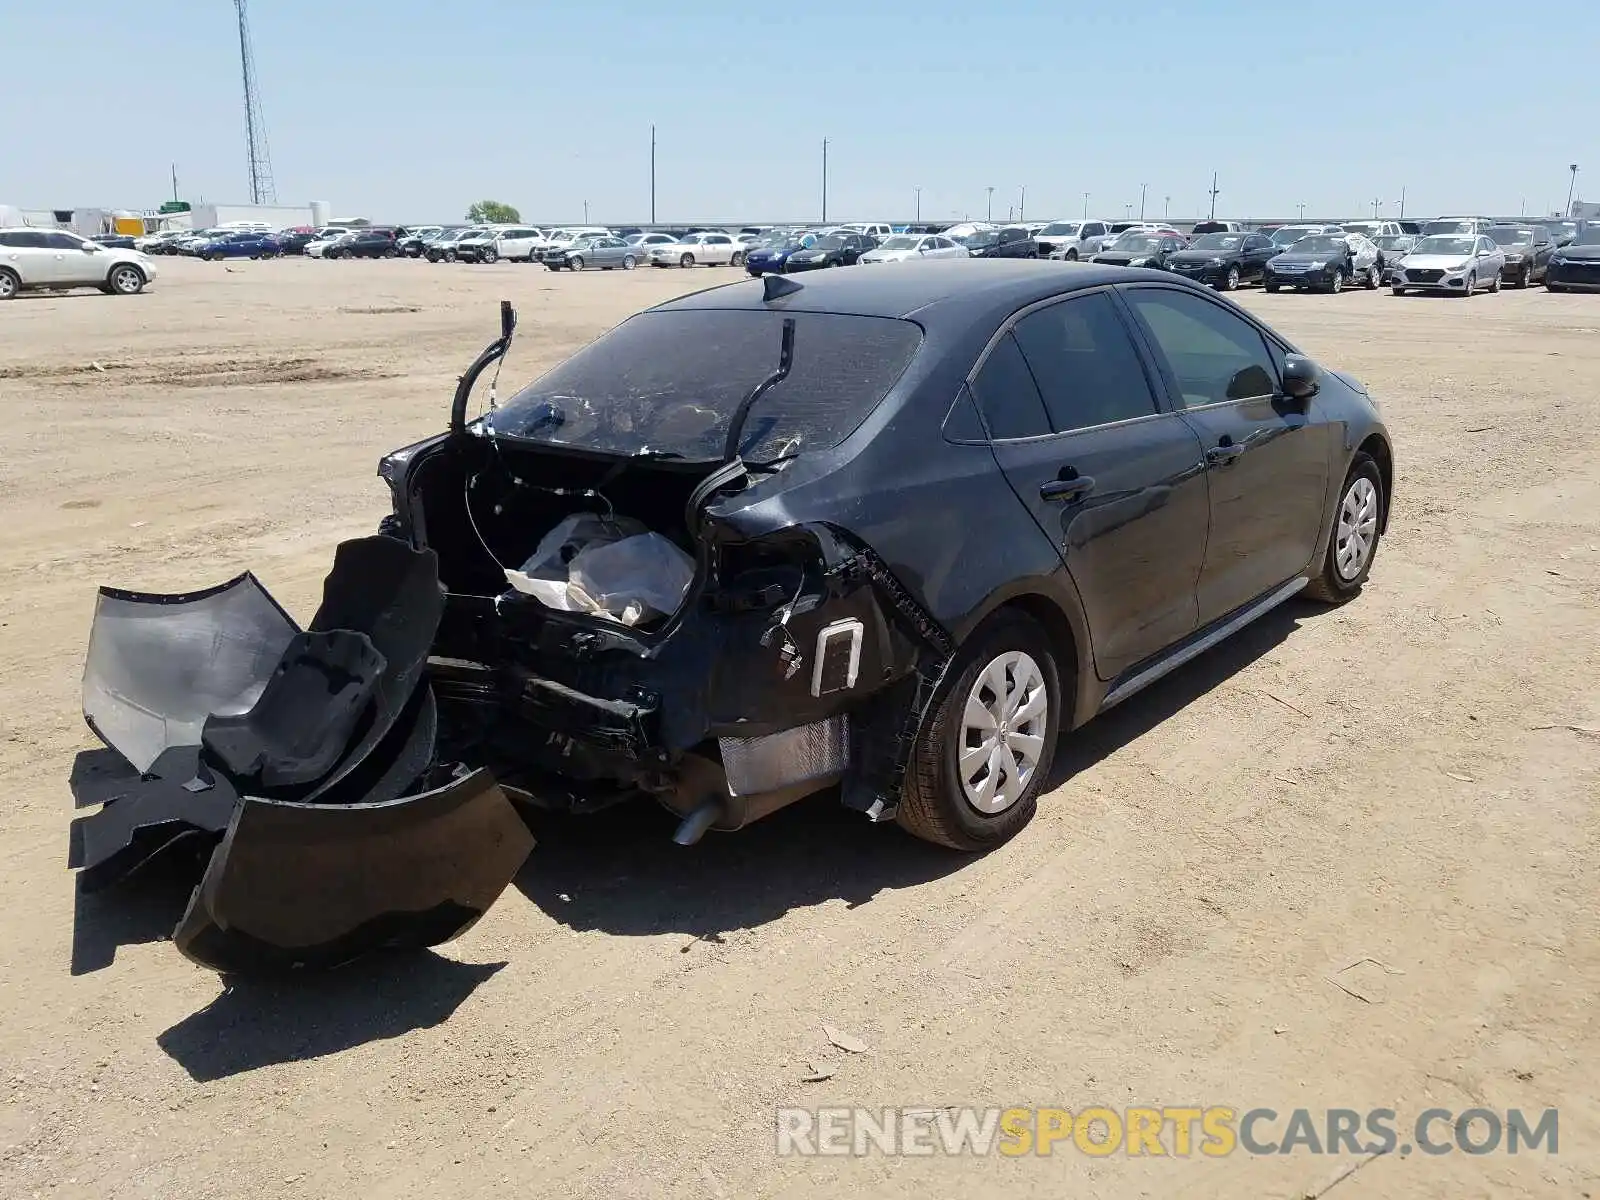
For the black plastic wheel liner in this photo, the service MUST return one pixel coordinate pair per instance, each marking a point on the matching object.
(383, 588)
(298, 729)
(297, 885)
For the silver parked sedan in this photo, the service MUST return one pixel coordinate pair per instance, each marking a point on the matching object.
(603, 252)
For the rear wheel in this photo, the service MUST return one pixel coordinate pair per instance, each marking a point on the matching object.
(1374, 277)
(976, 773)
(1353, 541)
(1398, 290)
(575, 263)
(628, 262)
(1554, 287)
(1269, 287)
(10, 285)
(737, 260)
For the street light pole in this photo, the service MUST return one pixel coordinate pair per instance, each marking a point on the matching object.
(585, 212)
(652, 174)
(918, 218)
(1213, 195)
(989, 215)
(824, 181)
(1166, 205)
(1302, 207)
(1375, 203)
(1571, 187)
(1143, 187)
(1022, 203)
(1086, 206)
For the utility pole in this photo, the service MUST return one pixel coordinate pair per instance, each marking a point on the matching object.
(989, 214)
(1571, 187)
(1402, 201)
(918, 218)
(585, 212)
(1166, 205)
(1213, 195)
(652, 174)
(1143, 187)
(1086, 206)
(174, 183)
(824, 181)
(1022, 203)
(255, 129)
(1375, 203)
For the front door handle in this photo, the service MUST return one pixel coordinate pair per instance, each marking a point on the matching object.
(1075, 488)
(1224, 452)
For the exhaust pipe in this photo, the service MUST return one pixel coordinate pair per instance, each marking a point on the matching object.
(693, 827)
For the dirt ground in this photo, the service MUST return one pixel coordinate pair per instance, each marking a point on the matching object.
(1411, 779)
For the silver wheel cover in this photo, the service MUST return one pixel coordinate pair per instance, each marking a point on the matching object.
(1002, 732)
(1357, 531)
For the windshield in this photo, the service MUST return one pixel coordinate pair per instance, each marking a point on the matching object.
(976, 241)
(901, 243)
(669, 382)
(1061, 229)
(1512, 237)
(1446, 245)
(1216, 241)
(1289, 234)
(1144, 243)
(1589, 235)
(1464, 225)
(1319, 244)
(1365, 227)
(1395, 241)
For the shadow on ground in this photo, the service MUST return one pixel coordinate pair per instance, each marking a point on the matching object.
(619, 872)
(258, 1023)
(142, 908)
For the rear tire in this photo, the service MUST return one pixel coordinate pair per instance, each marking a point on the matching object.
(1269, 287)
(737, 260)
(575, 263)
(1398, 290)
(1359, 517)
(937, 803)
(11, 284)
(1374, 278)
(628, 262)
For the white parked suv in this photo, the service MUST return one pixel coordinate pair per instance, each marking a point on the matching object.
(1072, 240)
(55, 259)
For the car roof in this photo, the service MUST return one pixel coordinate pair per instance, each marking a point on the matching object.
(950, 289)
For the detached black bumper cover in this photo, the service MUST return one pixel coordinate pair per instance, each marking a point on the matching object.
(306, 759)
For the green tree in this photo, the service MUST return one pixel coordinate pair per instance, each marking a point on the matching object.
(492, 212)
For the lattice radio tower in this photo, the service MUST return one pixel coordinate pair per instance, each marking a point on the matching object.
(255, 129)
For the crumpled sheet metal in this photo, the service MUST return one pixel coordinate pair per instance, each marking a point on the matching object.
(159, 665)
(296, 885)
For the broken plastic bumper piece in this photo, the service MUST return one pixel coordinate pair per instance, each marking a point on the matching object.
(305, 759)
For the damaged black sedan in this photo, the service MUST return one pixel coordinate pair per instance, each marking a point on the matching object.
(887, 534)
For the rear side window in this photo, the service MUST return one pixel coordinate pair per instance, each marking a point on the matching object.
(669, 382)
(1007, 395)
(1085, 364)
(62, 241)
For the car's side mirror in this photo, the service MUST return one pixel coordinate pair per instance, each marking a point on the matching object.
(1301, 377)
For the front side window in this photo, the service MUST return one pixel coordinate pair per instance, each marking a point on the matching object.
(1213, 355)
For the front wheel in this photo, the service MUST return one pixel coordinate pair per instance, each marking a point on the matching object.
(1337, 284)
(1374, 278)
(1554, 287)
(126, 280)
(1230, 281)
(737, 260)
(1471, 286)
(575, 263)
(1353, 541)
(1494, 288)
(628, 262)
(686, 261)
(1398, 290)
(1269, 287)
(389, 253)
(977, 770)
(1525, 280)
(1072, 256)
(489, 255)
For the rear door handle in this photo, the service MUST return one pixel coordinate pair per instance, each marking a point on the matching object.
(1066, 489)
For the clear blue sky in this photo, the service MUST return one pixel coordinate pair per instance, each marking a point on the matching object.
(394, 112)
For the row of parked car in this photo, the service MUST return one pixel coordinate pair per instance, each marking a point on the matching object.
(1449, 254)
